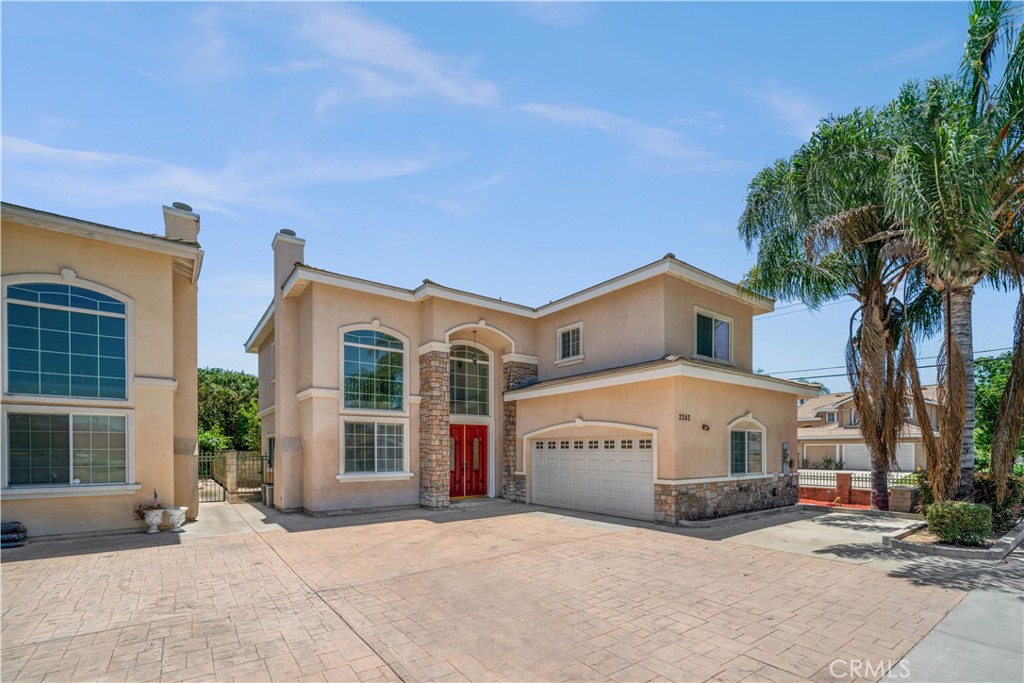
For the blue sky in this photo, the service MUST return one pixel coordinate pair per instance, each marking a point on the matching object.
(520, 150)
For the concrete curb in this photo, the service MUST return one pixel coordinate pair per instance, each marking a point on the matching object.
(738, 517)
(855, 511)
(999, 550)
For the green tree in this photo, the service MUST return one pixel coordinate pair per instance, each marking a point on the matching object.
(991, 374)
(818, 221)
(228, 406)
(955, 189)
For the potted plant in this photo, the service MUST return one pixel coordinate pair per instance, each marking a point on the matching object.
(151, 513)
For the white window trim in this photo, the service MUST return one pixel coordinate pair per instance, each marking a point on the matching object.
(129, 341)
(854, 422)
(344, 476)
(68, 490)
(707, 313)
(568, 360)
(831, 417)
(731, 427)
(491, 385)
(406, 375)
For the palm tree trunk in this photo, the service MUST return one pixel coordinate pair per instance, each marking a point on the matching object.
(960, 305)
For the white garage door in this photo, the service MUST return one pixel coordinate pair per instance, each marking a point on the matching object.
(857, 457)
(611, 475)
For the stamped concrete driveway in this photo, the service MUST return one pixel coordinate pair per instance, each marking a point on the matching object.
(504, 592)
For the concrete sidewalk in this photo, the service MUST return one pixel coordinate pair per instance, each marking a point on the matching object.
(981, 639)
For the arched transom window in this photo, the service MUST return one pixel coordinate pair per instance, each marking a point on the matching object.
(470, 381)
(374, 371)
(64, 340)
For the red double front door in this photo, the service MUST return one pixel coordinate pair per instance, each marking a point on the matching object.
(468, 461)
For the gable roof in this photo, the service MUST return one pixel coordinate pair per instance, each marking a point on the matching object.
(303, 274)
(809, 409)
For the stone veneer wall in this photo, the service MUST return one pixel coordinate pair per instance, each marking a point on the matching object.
(675, 502)
(435, 431)
(514, 374)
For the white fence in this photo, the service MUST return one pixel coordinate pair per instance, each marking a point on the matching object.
(859, 478)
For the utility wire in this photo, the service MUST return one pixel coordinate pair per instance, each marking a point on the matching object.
(840, 367)
(805, 308)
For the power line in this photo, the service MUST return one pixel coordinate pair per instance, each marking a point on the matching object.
(805, 308)
(838, 367)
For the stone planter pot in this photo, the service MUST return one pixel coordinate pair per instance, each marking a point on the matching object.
(153, 519)
(904, 498)
(176, 516)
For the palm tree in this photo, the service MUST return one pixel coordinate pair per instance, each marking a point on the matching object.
(955, 187)
(822, 233)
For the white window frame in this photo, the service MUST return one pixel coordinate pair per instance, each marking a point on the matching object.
(406, 376)
(68, 490)
(491, 384)
(707, 313)
(831, 417)
(737, 426)
(854, 422)
(344, 476)
(129, 340)
(568, 360)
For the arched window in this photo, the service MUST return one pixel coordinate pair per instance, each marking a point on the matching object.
(374, 371)
(470, 381)
(64, 340)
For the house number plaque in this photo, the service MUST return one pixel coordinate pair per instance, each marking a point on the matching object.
(684, 417)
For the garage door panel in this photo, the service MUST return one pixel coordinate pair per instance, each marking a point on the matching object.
(858, 457)
(604, 475)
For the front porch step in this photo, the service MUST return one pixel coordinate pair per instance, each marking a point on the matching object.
(477, 502)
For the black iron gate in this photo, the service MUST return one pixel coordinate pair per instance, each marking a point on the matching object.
(212, 479)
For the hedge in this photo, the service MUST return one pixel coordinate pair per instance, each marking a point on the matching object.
(960, 523)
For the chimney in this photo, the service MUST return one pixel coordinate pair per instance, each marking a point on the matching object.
(288, 250)
(181, 223)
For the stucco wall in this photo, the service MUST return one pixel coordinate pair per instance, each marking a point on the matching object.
(682, 300)
(147, 278)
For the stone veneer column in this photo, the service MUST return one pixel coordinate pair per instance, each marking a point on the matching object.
(514, 374)
(435, 433)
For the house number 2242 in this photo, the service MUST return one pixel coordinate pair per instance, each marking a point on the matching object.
(684, 417)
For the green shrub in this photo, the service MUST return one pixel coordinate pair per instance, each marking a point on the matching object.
(960, 523)
(213, 440)
(1004, 516)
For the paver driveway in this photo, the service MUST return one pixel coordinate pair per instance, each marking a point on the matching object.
(505, 593)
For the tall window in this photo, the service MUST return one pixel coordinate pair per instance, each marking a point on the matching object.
(374, 371)
(470, 381)
(746, 452)
(570, 342)
(374, 447)
(713, 337)
(66, 449)
(64, 340)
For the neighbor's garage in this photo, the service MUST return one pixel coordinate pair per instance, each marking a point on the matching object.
(857, 457)
(610, 475)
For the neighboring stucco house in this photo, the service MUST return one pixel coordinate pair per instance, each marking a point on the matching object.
(634, 397)
(829, 429)
(99, 369)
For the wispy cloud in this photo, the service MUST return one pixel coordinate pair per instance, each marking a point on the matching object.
(295, 66)
(908, 55)
(555, 13)
(447, 205)
(98, 178)
(379, 61)
(651, 141)
(798, 113)
(204, 54)
(712, 120)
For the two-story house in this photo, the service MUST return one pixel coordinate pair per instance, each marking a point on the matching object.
(634, 397)
(829, 434)
(98, 336)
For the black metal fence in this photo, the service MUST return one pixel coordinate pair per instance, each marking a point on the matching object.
(231, 476)
(211, 477)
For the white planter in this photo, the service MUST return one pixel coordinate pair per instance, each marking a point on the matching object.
(176, 516)
(153, 519)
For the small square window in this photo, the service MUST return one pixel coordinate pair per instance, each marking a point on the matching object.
(577, 445)
(539, 445)
(646, 444)
(609, 443)
(713, 337)
(570, 342)
(563, 444)
(552, 445)
(830, 418)
(593, 444)
(626, 444)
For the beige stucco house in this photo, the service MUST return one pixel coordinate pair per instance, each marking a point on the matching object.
(634, 397)
(99, 369)
(829, 433)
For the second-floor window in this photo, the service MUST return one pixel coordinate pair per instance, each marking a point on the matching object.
(713, 340)
(830, 418)
(853, 417)
(570, 342)
(374, 371)
(64, 340)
